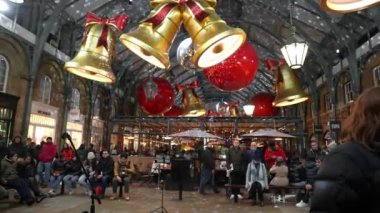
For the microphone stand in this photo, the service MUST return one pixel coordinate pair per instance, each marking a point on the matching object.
(93, 194)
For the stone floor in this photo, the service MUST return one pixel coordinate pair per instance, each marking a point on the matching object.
(144, 200)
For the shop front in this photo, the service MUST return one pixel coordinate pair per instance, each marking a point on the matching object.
(43, 120)
(97, 131)
(8, 106)
(74, 127)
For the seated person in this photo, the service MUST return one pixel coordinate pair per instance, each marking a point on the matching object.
(73, 171)
(280, 171)
(9, 177)
(27, 171)
(300, 179)
(104, 172)
(59, 168)
(123, 168)
(90, 165)
(256, 179)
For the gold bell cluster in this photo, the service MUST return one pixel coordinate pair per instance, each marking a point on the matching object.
(93, 61)
(213, 39)
(191, 103)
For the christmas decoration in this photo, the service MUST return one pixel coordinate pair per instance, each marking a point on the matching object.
(175, 111)
(94, 58)
(263, 105)
(236, 72)
(161, 102)
(191, 103)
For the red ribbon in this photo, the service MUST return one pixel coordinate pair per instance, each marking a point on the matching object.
(160, 16)
(273, 64)
(117, 22)
(193, 85)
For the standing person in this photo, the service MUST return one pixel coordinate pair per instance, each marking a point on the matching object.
(46, 157)
(280, 171)
(207, 169)
(256, 179)
(67, 151)
(348, 180)
(236, 159)
(82, 153)
(123, 169)
(10, 178)
(272, 153)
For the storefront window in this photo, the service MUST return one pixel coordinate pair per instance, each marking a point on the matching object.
(376, 76)
(75, 99)
(45, 89)
(4, 69)
(41, 127)
(348, 92)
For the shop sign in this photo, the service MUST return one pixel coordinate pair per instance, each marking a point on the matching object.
(335, 126)
(44, 109)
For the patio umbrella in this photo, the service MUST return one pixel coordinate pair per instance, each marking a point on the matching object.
(271, 133)
(194, 133)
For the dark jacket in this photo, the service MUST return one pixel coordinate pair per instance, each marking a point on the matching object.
(208, 159)
(8, 170)
(26, 170)
(105, 166)
(237, 158)
(348, 180)
(19, 148)
(312, 155)
(82, 153)
(73, 167)
(59, 167)
(257, 152)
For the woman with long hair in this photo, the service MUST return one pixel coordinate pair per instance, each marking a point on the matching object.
(349, 178)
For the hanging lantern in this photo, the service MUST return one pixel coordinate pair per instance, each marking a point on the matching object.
(248, 109)
(150, 89)
(236, 72)
(295, 54)
(288, 88)
(191, 103)
(347, 6)
(94, 58)
(161, 102)
(263, 105)
(175, 111)
(152, 39)
(213, 39)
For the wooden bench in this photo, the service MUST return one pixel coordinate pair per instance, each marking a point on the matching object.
(274, 189)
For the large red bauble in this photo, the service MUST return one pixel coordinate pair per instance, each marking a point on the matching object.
(236, 72)
(174, 112)
(263, 105)
(162, 102)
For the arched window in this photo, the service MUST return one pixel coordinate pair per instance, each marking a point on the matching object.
(45, 89)
(4, 69)
(97, 108)
(75, 98)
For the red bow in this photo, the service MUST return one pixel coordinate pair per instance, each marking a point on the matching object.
(160, 16)
(117, 22)
(193, 85)
(273, 64)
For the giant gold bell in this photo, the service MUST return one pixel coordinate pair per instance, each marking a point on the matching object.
(93, 61)
(152, 44)
(191, 104)
(213, 39)
(288, 88)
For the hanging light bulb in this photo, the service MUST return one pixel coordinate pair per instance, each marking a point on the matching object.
(248, 109)
(17, 1)
(294, 52)
(150, 89)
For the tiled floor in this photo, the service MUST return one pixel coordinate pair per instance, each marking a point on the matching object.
(145, 200)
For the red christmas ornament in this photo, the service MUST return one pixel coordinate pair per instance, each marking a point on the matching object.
(155, 95)
(174, 112)
(237, 71)
(263, 105)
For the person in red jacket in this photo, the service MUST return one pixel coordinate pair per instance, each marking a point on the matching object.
(46, 157)
(272, 153)
(67, 152)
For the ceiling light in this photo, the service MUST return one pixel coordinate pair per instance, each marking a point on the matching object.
(16, 1)
(347, 6)
(294, 52)
(248, 109)
(3, 6)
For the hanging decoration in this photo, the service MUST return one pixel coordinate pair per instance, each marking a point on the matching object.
(248, 109)
(233, 109)
(213, 39)
(222, 108)
(288, 88)
(263, 105)
(236, 72)
(347, 6)
(185, 52)
(175, 111)
(161, 102)
(94, 58)
(191, 103)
